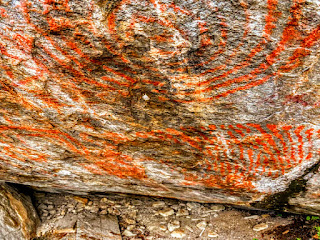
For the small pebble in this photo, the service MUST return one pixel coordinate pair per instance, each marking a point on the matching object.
(94, 209)
(166, 212)
(130, 221)
(70, 205)
(192, 205)
(252, 217)
(130, 227)
(182, 212)
(173, 225)
(217, 208)
(202, 225)
(128, 233)
(42, 206)
(163, 228)
(158, 204)
(285, 232)
(50, 207)
(175, 207)
(145, 97)
(106, 201)
(178, 233)
(212, 234)
(104, 212)
(260, 227)
(81, 199)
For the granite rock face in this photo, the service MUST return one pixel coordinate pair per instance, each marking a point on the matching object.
(213, 101)
(18, 218)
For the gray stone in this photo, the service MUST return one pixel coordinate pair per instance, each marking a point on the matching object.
(217, 208)
(166, 212)
(173, 225)
(260, 227)
(178, 233)
(18, 218)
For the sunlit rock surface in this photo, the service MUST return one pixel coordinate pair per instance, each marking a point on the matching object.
(213, 101)
(18, 218)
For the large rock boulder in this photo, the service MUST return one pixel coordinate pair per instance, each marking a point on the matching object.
(213, 101)
(18, 218)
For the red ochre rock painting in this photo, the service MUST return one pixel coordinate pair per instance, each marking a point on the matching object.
(213, 101)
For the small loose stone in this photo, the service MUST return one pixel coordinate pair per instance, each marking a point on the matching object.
(94, 210)
(81, 199)
(202, 225)
(130, 227)
(252, 217)
(217, 208)
(212, 234)
(166, 212)
(178, 233)
(175, 207)
(104, 212)
(158, 204)
(50, 207)
(130, 221)
(42, 206)
(128, 233)
(182, 212)
(191, 205)
(145, 97)
(260, 227)
(173, 225)
(162, 228)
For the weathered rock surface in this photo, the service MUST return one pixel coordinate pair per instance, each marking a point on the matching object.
(18, 218)
(213, 101)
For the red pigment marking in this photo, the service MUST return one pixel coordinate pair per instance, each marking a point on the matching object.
(297, 131)
(172, 135)
(287, 130)
(3, 12)
(309, 134)
(270, 18)
(276, 133)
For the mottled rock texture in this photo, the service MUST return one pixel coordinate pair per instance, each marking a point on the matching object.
(18, 218)
(206, 100)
